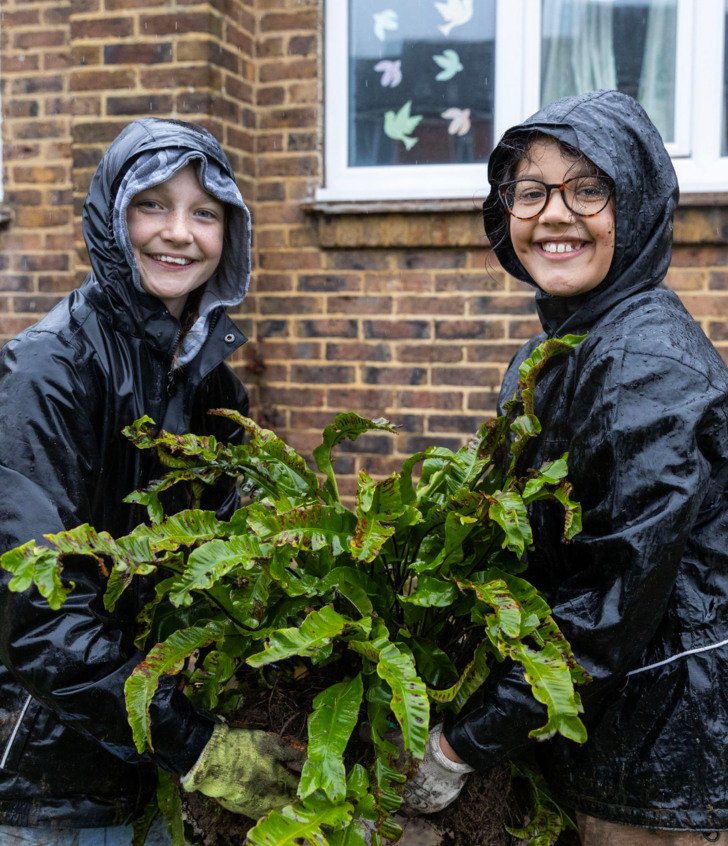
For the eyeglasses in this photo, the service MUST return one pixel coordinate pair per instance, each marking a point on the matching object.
(582, 195)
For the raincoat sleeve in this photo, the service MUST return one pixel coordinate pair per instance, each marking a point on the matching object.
(74, 661)
(644, 425)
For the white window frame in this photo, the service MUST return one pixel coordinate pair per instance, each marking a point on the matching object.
(698, 107)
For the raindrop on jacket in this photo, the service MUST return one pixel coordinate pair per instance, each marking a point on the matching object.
(68, 385)
(642, 592)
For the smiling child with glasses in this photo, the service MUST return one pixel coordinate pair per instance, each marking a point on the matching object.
(580, 208)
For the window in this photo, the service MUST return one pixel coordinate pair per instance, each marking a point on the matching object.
(428, 86)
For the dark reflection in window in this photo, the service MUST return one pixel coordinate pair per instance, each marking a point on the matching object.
(421, 81)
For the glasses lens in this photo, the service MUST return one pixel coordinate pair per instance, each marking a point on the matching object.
(587, 195)
(524, 197)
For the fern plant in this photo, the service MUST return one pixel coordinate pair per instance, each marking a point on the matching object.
(405, 600)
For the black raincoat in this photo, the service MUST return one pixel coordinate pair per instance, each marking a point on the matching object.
(642, 592)
(68, 385)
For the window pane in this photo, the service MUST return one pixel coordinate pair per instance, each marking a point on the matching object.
(625, 44)
(421, 82)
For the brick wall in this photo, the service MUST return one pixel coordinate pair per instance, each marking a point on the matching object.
(402, 314)
(36, 250)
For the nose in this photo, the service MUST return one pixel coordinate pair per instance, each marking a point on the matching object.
(177, 229)
(555, 210)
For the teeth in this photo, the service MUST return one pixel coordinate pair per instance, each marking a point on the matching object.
(173, 259)
(559, 247)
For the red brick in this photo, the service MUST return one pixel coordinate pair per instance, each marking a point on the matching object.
(430, 305)
(96, 80)
(327, 282)
(476, 376)
(15, 282)
(431, 259)
(281, 22)
(468, 424)
(37, 84)
(271, 47)
(291, 351)
(10, 326)
(302, 45)
(20, 64)
(718, 280)
(34, 39)
(706, 305)
(298, 260)
(47, 261)
(138, 54)
(327, 328)
(358, 259)
(37, 304)
(498, 353)
(291, 117)
(173, 77)
(410, 283)
(291, 305)
(469, 329)
(443, 400)
(718, 331)
(271, 95)
(426, 353)
(302, 142)
(180, 23)
(359, 305)
(294, 397)
(523, 329)
(357, 351)
(483, 401)
(369, 403)
(13, 18)
(394, 375)
(469, 282)
(288, 166)
(397, 329)
(290, 69)
(272, 282)
(102, 28)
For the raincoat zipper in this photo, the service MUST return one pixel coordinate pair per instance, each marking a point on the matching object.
(14, 733)
(677, 657)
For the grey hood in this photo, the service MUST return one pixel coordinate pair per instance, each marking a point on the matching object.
(147, 153)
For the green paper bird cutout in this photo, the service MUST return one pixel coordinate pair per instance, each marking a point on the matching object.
(400, 125)
(450, 63)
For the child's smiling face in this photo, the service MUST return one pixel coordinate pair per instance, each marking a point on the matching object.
(564, 254)
(176, 231)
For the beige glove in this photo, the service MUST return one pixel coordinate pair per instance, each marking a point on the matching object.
(437, 782)
(246, 771)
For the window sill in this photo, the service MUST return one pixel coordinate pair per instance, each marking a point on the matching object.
(700, 219)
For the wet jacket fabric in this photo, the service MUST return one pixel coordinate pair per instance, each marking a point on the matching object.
(103, 357)
(642, 592)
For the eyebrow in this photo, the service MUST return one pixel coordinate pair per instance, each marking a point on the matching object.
(584, 171)
(203, 197)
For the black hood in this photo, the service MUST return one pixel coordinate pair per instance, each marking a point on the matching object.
(612, 130)
(177, 142)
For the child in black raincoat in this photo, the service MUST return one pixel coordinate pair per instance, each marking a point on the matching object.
(168, 237)
(580, 207)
